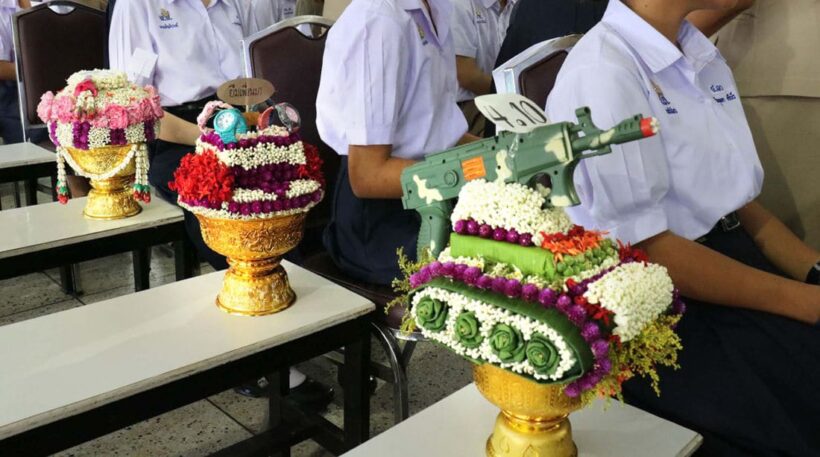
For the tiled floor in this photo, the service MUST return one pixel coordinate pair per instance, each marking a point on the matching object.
(212, 424)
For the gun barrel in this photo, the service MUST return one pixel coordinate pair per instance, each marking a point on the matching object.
(629, 130)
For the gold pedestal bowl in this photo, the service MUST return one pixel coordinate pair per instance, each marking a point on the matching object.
(110, 198)
(255, 283)
(533, 420)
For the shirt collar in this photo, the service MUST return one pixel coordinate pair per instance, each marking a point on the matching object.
(653, 48)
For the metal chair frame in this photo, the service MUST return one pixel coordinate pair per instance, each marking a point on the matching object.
(507, 77)
(389, 338)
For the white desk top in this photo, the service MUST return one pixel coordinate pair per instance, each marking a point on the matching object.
(38, 227)
(69, 362)
(459, 426)
(17, 154)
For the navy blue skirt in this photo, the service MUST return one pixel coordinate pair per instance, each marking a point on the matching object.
(749, 381)
(364, 234)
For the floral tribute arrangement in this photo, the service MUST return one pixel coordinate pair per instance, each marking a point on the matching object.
(522, 288)
(261, 173)
(99, 109)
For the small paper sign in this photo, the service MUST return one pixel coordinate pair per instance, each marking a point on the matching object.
(511, 112)
(245, 91)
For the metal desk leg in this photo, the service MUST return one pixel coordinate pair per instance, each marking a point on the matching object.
(142, 268)
(17, 203)
(31, 191)
(278, 388)
(185, 260)
(69, 279)
(357, 389)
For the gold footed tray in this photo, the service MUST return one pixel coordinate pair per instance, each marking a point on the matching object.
(110, 198)
(534, 417)
(255, 283)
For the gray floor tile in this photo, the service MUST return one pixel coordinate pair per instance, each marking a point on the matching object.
(194, 430)
(28, 292)
(41, 311)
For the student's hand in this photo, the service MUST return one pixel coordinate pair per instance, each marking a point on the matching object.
(374, 173)
(177, 130)
(471, 77)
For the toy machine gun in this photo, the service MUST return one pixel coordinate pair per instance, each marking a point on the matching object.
(530, 153)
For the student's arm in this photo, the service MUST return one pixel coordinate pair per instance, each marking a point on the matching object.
(471, 77)
(7, 71)
(704, 274)
(711, 21)
(374, 173)
(777, 242)
(177, 130)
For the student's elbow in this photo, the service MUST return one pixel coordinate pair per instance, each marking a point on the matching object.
(360, 186)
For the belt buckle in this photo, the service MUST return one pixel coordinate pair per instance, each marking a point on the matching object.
(729, 222)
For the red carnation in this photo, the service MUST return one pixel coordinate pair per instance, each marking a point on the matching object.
(313, 168)
(85, 85)
(203, 177)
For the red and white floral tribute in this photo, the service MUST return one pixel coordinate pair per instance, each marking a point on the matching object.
(264, 173)
(100, 108)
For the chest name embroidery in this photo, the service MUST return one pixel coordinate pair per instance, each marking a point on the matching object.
(667, 105)
(165, 20)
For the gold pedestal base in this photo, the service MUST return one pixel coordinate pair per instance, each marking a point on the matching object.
(255, 284)
(111, 199)
(255, 288)
(533, 420)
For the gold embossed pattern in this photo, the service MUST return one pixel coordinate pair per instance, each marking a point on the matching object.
(110, 198)
(255, 284)
(533, 420)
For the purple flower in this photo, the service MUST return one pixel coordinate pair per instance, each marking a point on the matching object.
(267, 206)
(472, 227)
(577, 314)
(447, 268)
(512, 236)
(525, 239)
(148, 131)
(458, 271)
(512, 288)
(415, 280)
(529, 292)
(256, 207)
(590, 332)
(245, 209)
(563, 303)
(484, 282)
(587, 382)
(572, 390)
(460, 227)
(499, 234)
(233, 207)
(277, 205)
(435, 268)
(471, 274)
(485, 231)
(678, 306)
(499, 285)
(599, 347)
(547, 297)
(604, 365)
(577, 290)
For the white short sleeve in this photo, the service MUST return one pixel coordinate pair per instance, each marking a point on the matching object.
(367, 87)
(621, 192)
(464, 30)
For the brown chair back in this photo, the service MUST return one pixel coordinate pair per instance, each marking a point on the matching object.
(532, 73)
(50, 46)
(292, 62)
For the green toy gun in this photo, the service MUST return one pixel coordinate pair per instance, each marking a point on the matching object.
(548, 154)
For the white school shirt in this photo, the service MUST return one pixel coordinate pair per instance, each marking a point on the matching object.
(388, 78)
(269, 12)
(181, 47)
(7, 9)
(702, 165)
(479, 28)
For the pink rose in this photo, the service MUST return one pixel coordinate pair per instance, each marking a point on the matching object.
(134, 113)
(63, 108)
(100, 120)
(44, 107)
(85, 85)
(117, 116)
(147, 110)
(155, 103)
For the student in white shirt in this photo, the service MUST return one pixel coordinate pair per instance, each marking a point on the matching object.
(187, 49)
(479, 28)
(269, 12)
(387, 97)
(750, 365)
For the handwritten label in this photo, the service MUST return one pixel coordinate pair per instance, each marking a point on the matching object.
(473, 168)
(245, 91)
(511, 112)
